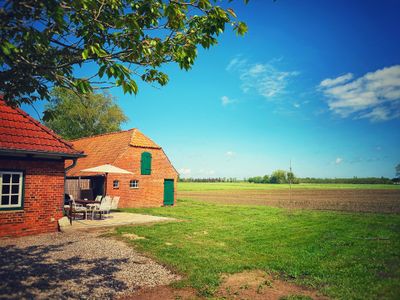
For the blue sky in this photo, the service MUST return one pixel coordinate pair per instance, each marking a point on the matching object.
(314, 82)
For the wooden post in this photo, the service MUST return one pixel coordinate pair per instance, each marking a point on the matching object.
(105, 184)
(79, 187)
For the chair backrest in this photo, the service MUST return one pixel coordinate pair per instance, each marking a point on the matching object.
(98, 198)
(106, 203)
(73, 203)
(115, 201)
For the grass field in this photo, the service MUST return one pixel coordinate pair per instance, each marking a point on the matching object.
(213, 186)
(343, 255)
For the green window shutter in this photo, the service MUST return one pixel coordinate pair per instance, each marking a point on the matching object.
(146, 163)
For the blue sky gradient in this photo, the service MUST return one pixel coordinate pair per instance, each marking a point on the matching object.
(315, 82)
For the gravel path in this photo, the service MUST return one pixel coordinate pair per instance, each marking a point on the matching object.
(74, 265)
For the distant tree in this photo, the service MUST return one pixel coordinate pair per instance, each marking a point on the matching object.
(398, 170)
(265, 179)
(290, 177)
(42, 42)
(76, 116)
(278, 176)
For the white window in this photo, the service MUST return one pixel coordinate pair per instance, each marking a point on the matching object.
(116, 184)
(134, 184)
(11, 189)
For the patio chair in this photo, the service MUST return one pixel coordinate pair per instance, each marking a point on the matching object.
(104, 207)
(67, 199)
(78, 209)
(114, 203)
(98, 200)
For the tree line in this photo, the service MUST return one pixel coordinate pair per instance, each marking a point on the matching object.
(354, 180)
(278, 176)
(281, 176)
(216, 179)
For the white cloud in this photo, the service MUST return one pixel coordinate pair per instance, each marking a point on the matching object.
(230, 153)
(331, 82)
(185, 171)
(338, 160)
(374, 96)
(225, 100)
(236, 62)
(264, 79)
(203, 172)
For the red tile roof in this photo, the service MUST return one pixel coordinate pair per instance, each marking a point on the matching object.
(19, 132)
(106, 148)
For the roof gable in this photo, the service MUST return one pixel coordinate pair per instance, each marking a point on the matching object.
(19, 132)
(106, 148)
(140, 140)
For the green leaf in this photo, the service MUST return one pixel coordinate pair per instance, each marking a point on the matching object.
(241, 28)
(85, 54)
(231, 12)
(101, 70)
(133, 86)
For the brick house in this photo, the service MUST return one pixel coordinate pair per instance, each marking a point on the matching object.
(153, 182)
(32, 174)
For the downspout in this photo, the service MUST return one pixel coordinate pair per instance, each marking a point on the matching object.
(74, 160)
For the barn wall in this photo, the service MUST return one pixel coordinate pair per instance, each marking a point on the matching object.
(151, 187)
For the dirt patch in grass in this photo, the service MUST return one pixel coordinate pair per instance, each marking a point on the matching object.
(255, 285)
(383, 201)
(132, 236)
(163, 292)
(260, 285)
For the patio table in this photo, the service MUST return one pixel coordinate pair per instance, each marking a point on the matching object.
(85, 202)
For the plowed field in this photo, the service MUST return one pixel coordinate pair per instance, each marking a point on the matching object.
(368, 200)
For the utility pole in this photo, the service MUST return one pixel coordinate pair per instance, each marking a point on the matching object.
(290, 180)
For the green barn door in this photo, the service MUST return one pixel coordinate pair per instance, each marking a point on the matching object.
(168, 192)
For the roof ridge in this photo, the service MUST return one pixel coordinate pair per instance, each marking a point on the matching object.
(41, 126)
(102, 134)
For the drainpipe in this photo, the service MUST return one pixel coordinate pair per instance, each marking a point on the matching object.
(74, 160)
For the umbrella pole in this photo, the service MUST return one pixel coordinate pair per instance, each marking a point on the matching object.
(105, 185)
(79, 186)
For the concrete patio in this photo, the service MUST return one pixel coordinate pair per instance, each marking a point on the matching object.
(110, 220)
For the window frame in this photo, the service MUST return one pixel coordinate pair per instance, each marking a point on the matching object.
(116, 186)
(134, 187)
(21, 189)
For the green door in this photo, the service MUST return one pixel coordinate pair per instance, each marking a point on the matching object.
(168, 192)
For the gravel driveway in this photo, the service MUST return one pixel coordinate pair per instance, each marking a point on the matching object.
(80, 265)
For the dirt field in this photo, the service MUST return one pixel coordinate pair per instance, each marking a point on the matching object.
(384, 201)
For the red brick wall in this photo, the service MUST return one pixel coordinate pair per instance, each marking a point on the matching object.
(43, 198)
(151, 187)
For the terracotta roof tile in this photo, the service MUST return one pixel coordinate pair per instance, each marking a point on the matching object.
(140, 140)
(106, 148)
(21, 132)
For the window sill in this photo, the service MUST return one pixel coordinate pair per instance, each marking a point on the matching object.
(11, 210)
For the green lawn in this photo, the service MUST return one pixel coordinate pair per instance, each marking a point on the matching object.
(212, 186)
(344, 255)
